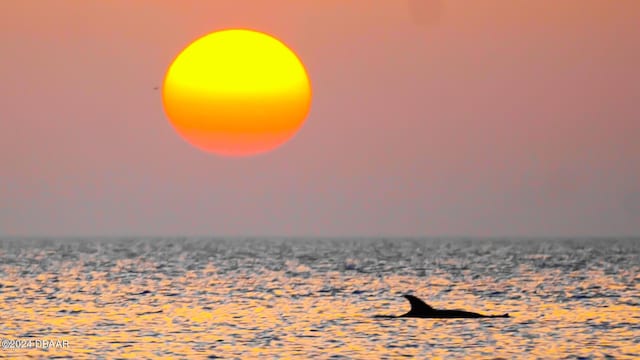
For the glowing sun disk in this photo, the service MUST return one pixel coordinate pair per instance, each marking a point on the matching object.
(236, 92)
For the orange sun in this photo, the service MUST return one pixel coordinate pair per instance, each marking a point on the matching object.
(236, 92)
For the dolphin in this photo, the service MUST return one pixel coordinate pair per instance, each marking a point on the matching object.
(420, 309)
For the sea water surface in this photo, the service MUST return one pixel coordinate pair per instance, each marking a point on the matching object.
(302, 298)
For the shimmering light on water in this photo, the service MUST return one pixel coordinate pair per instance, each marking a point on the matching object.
(199, 298)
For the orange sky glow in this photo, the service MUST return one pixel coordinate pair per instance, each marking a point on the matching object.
(429, 117)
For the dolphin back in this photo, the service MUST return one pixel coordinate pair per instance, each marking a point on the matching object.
(420, 309)
(505, 315)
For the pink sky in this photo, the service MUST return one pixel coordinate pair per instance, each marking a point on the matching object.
(476, 118)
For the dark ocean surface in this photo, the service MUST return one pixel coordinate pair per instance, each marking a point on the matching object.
(294, 298)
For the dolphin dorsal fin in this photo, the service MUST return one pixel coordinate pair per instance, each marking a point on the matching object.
(417, 306)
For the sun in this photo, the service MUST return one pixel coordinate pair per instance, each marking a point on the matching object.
(236, 93)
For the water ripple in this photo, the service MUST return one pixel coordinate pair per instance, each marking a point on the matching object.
(255, 298)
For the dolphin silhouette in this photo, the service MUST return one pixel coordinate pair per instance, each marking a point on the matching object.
(420, 309)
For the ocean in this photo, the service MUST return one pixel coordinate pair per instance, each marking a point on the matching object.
(276, 298)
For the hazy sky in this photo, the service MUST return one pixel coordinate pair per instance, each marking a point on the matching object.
(477, 118)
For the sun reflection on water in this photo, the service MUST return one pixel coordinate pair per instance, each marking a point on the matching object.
(255, 299)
